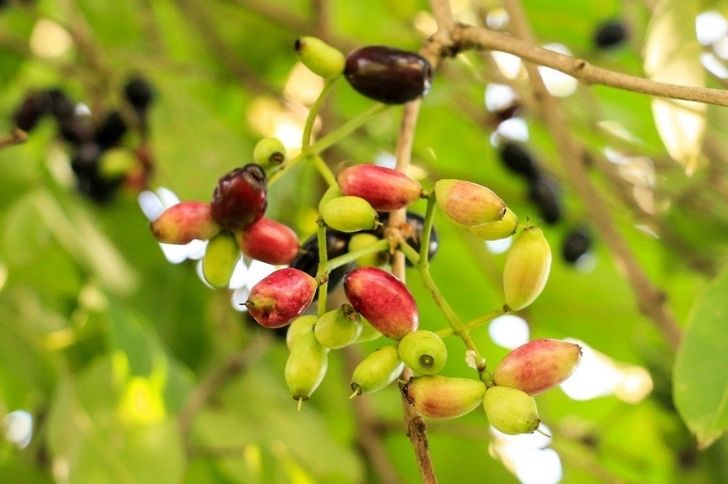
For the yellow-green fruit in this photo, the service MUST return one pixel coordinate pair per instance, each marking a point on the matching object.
(320, 57)
(495, 230)
(368, 332)
(468, 203)
(306, 366)
(300, 326)
(423, 351)
(527, 268)
(268, 152)
(221, 255)
(359, 241)
(511, 411)
(376, 371)
(338, 328)
(444, 397)
(332, 192)
(349, 214)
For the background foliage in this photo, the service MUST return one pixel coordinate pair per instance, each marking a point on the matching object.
(104, 342)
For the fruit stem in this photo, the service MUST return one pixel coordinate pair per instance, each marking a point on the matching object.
(323, 259)
(427, 231)
(313, 112)
(344, 259)
(324, 170)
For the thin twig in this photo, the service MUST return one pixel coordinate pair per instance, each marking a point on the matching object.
(651, 300)
(15, 137)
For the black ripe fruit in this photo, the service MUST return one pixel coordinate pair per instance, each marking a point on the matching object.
(388, 75)
(610, 34)
(576, 243)
(111, 130)
(61, 106)
(544, 193)
(33, 107)
(519, 160)
(307, 259)
(139, 92)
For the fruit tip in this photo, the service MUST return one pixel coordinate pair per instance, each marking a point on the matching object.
(300, 403)
(357, 391)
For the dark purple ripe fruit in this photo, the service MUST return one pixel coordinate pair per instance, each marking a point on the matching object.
(388, 75)
(33, 107)
(544, 193)
(307, 259)
(61, 106)
(610, 34)
(576, 244)
(519, 160)
(111, 130)
(139, 92)
(240, 199)
(383, 300)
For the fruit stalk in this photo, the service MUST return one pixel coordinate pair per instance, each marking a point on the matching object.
(321, 273)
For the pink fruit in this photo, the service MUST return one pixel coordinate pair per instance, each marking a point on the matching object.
(269, 241)
(384, 188)
(537, 365)
(383, 300)
(184, 222)
(280, 297)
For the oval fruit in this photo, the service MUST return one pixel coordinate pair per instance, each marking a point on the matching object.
(527, 268)
(468, 203)
(306, 366)
(221, 256)
(269, 241)
(376, 371)
(384, 188)
(444, 397)
(280, 297)
(339, 327)
(300, 326)
(511, 411)
(184, 222)
(320, 57)
(349, 214)
(423, 351)
(239, 198)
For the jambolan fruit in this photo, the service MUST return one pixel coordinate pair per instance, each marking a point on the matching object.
(376, 371)
(280, 297)
(468, 203)
(184, 222)
(384, 188)
(511, 411)
(383, 300)
(527, 268)
(269, 241)
(444, 397)
(306, 366)
(537, 365)
(240, 197)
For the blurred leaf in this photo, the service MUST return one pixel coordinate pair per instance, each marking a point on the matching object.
(672, 55)
(701, 371)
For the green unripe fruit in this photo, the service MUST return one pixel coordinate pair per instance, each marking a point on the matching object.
(423, 351)
(221, 255)
(444, 397)
(320, 57)
(332, 192)
(359, 241)
(338, 328)
(269, 152)
(349, 214)
(527, 268)
(368, 332)
(468, 203)
(511, 411)
(306, 366)
(495, 230)
(376, 371)
(300, 326)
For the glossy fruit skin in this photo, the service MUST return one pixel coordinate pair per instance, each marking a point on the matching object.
(139, 92)
(184, 222)
(269, 152)
(442, 397)
(269, 241)
(516, 158)
(544, 193)
(218, 263)
(280, 297)
(339, 327)
(306, 366)
(423, 351)
(349, 214)
(576, 243)
(307, 259)
(320, 57)
(362, 240)
(376, 371)
(610, 34)
(383, 300)
(511, 411)
(538, 365)
(332, 192)
(388, 75)
(240, 197)
(298, 327)
(384, 188)
(495, 230)
(412, 232)
(526, 269)
(468, 203)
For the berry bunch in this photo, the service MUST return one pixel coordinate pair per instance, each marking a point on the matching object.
(99, 166)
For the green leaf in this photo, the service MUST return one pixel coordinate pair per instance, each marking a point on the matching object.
(701, 370)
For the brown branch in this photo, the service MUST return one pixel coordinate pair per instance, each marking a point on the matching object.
(651, 300)
(15, 137)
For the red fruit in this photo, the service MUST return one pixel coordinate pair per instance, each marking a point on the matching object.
(280, 297)
(383, 300)
(184, 222)
(384, 188)
(538, 365)
(269, 241)
(239, 199)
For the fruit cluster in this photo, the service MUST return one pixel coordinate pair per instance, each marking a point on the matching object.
(98, 164)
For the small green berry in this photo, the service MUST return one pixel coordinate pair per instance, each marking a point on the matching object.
(338, 328)
(423, 351)
(444, 397)
(376, 371)
(511, 411)
(269, 152)
(320, 57)
(306, 366)
(527, 268)
(300, 326)
(221, 255)
(349, 214)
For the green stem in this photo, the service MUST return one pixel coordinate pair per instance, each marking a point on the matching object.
(324, 170)
(344, 259)
(313, 112)
(427, 230)
(321, 271)
(475, 323)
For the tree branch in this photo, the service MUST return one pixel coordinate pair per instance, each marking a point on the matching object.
(15, 137)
